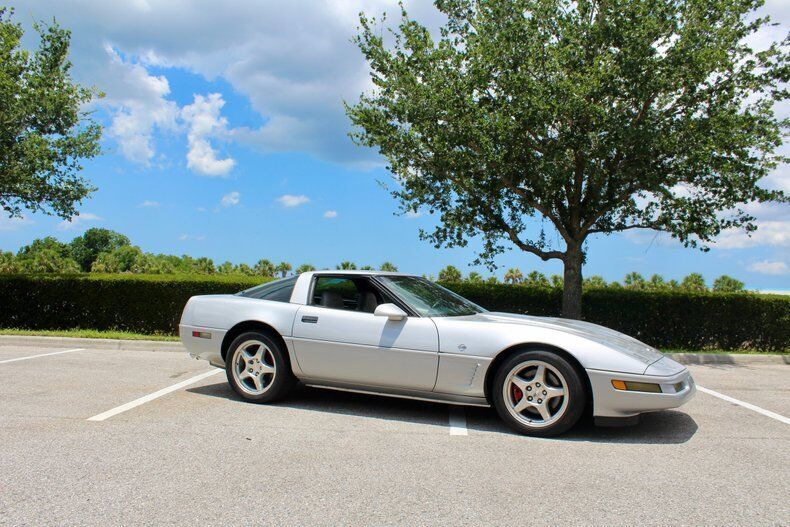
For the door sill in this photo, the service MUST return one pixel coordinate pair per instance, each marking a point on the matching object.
(417, 396)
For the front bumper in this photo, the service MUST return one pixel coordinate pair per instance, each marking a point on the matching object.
(676, 390)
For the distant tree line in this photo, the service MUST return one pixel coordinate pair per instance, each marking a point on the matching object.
(694, 282)
(105, 251)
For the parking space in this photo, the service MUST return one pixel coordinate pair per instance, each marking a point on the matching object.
(197, 453)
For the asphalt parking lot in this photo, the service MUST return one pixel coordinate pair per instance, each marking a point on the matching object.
(75, 452)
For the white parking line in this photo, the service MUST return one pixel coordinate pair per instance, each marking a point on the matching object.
(457, 421)
(750, 406)
(40, 355)
(151, 396)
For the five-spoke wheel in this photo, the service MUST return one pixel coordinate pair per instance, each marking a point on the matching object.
(538, 393)
(254, 368)
(257, 367)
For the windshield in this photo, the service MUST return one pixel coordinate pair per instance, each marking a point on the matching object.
(429, 299)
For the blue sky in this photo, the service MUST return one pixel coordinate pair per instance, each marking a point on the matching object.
(225, 137)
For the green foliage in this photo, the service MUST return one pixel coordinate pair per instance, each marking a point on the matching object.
(86, 248)
(537, 279)
(346, 266)
(265, 268)
(474, 277)
(594, 282)
(44, 131)
(388, 267)
(450, 274)
(225, 268)
(137, 303)
(305, 268)
(634, 281)
(514, 276)
(367, 268)
(727, 284)
(599, 117)
(694, 283)
(283, 268)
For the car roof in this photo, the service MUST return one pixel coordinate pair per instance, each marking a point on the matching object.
(358, 272)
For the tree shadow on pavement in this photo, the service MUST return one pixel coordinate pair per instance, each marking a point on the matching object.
(666, 427)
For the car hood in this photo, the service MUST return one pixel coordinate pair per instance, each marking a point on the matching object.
(607, 337)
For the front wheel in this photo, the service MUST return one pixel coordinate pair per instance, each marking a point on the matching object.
(538, 393)
(257, 368)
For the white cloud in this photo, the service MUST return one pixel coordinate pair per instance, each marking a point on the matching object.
(330, 214)
(188, 237)
(411, 214)
(138, 105)
(12, 224)
(773, 228)
(205, 123)
(231, 199)
(293, 201)
(148, 203)
(77, 221)
(766, 267)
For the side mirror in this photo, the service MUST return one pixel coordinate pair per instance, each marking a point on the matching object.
(391, 311)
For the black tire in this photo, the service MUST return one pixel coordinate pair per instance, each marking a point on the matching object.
(275, 385)
(565, 410)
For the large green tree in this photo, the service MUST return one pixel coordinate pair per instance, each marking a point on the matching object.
(44, 133)
(595, 116)
(86, 248)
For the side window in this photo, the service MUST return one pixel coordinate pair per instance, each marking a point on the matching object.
(278, 291)
(334, 292)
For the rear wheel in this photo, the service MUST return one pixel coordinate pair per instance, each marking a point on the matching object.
(538, 393)
(257, 368)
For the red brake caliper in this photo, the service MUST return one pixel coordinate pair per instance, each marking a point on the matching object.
(517, 393)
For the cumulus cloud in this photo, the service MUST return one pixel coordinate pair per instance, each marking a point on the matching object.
(138, 105)
(205, 122)
(768, 267)
(230, 199)
(289, 200)
(78, 221)
(330, 214)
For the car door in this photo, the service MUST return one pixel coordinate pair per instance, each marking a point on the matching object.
(336, 337)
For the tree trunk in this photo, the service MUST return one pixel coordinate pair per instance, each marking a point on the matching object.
(572, 286)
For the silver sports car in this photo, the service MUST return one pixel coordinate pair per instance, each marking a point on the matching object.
(405, 336)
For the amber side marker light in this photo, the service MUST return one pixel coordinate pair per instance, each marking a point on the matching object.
(201, 334)
(630, 386)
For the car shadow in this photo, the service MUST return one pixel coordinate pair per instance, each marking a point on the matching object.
(666, 427)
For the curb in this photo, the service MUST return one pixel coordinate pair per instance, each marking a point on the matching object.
(158, 345)
(102, 344)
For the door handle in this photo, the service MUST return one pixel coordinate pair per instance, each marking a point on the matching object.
(310, 319)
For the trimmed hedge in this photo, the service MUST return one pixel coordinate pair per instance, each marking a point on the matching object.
(153, 303)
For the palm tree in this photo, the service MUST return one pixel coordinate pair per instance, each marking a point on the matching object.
(346, 266)
(450, 274)
(283, 268)
(305, 268)
(514, 276)
(388, 267)
(474, 277)
(265, 268)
